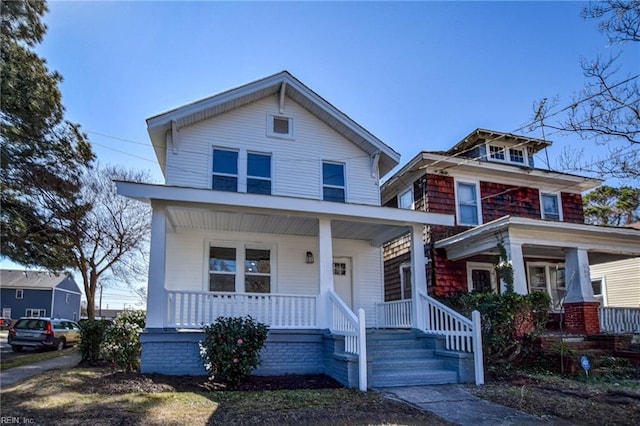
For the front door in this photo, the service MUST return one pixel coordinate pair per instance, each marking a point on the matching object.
(342, 279)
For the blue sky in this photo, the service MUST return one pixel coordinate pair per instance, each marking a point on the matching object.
(418, 75)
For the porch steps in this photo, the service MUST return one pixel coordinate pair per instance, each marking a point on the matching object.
(401, 358)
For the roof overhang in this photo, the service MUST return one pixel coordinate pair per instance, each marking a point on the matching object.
(487, 171)
(203, 109)
(543, 238)
(494, 136)
(195, 208)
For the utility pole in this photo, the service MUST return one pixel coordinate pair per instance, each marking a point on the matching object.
(100, 301)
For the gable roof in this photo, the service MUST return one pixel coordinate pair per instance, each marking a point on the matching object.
(13, 278)
(203, 109)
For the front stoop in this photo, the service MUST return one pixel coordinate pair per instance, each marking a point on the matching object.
(409, 358)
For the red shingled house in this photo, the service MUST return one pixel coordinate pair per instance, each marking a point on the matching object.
(490, 182)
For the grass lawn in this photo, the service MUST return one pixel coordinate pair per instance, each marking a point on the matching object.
(90, 396)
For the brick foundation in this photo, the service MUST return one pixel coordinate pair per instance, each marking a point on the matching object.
(581, 318)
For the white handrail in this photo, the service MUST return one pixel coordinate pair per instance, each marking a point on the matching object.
(460, 333)
(192, 309)
(619, 320)
(345, 323)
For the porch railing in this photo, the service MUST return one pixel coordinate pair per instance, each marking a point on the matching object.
(192, 309)
(345, 323)
(396, 314)
(619, 320)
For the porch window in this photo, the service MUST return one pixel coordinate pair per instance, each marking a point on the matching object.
(481, 277)
(258, 173)
(222, 269)
(35, 313)
(467, 198)
(550, 278)
(405, 281)
(225, 170)
(405, 200)
(333, 188)
(550, 207)
(257, 271)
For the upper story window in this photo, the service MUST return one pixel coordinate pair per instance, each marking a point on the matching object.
(496, 152)
(516, 155)
(19, 294)
(405, 200)
(467, 203)
(280, 126)
(333, 188)
(225, 170)
(258, 173)
(550, 206)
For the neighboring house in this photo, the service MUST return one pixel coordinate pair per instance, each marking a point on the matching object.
(617, 284)
(39, 294)
(271, 207)
(490, 182)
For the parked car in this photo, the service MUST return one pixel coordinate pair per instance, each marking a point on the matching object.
(52, 333)
(5, 323)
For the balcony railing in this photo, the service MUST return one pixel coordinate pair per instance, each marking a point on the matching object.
(193, 309)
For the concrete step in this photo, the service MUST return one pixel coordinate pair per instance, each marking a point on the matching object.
(397, 364)
(414, 378)
(400, 353)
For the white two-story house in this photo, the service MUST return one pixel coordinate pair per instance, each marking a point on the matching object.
(271, 208)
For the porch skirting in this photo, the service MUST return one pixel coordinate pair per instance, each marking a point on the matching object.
(176, 352)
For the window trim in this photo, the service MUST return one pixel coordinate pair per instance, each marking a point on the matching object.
(344, 178)
(476, 184)
(213, 172)
(505, 150)
(403, 283)
(239, 274)
(412, 206)
(484, 267)
(19, 293)
(558, 198)
(270, 133)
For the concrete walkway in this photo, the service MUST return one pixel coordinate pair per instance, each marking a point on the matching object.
(12, 375)
(456, 404)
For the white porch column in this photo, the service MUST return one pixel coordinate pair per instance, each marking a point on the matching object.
(418, 274)
(156, 293)
(577, 276)
(325, 269)
(514, 254)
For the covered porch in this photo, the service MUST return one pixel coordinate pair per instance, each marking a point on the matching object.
(548, 256)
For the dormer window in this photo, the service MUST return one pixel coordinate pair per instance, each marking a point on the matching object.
(507, 154)
(496, 152)
(279, 126)
(516, 155)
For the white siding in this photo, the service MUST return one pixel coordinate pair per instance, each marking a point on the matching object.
(622, 282)
(297, 163)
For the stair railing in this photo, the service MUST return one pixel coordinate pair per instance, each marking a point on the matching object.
(460, 333)
(345, 323)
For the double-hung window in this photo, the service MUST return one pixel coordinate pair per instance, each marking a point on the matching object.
(19, 294)
(550, 278)
(405, 200)
(258, 173)
(468, 206)
(225, 170)
(333, 188)
(253, 277)
(550, 207)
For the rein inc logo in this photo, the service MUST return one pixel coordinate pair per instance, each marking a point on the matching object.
(10, 420)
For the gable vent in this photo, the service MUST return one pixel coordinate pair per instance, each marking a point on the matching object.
(281, 125)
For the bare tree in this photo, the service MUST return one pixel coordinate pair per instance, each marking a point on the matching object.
(111, 240)
(607, 110)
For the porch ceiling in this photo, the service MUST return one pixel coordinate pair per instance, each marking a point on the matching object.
(203, 219)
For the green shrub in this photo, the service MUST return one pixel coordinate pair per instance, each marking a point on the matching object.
(231, 347)
(91, 338)
(122, 340)
(511, 322)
